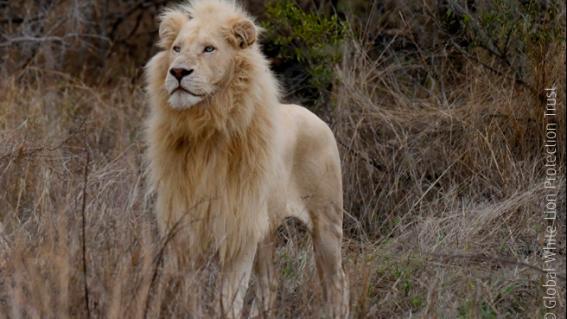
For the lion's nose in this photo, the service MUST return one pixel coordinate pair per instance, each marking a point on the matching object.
(180, 73)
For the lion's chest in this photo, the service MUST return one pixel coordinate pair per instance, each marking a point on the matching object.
(212, 191)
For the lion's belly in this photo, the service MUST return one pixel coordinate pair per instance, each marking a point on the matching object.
(308, 175)
(286, 202)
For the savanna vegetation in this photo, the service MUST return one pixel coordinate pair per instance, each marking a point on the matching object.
(438, 108)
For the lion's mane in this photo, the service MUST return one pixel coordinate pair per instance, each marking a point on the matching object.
(211, 164)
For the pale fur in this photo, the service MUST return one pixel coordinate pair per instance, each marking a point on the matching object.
(230, 166)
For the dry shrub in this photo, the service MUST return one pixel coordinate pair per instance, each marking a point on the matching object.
(480, 140)
(444, 185)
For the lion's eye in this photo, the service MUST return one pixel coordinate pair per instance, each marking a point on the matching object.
(209, 49)
(177, 48)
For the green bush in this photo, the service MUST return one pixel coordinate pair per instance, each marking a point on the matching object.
(516, 33)
(307, 39)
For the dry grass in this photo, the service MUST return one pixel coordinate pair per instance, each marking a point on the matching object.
(443, 190)
(447, 183)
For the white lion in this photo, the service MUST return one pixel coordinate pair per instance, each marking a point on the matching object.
(229, 162)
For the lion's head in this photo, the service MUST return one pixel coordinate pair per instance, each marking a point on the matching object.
(200, 42)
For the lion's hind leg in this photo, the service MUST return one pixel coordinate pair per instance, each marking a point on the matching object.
(327, 237)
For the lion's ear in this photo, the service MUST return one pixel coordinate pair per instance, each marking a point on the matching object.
(171, 21)
(243, 33)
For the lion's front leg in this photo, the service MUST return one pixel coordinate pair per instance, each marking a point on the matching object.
(266, 281)
(234, 281)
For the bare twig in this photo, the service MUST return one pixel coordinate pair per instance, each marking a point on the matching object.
(141, 6)
(21, 152)
(83, 230)
(372, 162)
(158, 261)
(514, 77)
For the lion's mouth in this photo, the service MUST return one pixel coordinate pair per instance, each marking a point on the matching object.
(182, 89)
